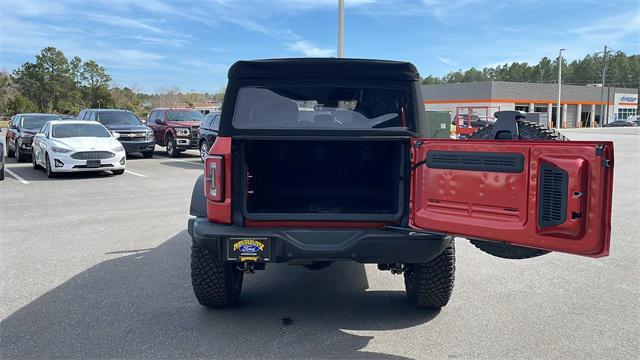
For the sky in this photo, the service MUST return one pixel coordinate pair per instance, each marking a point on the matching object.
(153, 45)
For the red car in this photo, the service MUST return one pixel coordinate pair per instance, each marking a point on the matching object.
(175, 128)
(322, 160)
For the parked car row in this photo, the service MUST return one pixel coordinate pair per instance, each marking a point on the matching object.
(100, 139)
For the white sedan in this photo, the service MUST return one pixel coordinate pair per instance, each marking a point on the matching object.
(72, 145)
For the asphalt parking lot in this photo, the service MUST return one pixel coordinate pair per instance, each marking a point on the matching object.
(97, 266)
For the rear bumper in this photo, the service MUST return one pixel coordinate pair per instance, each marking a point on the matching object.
(138, 146)
(361, 245)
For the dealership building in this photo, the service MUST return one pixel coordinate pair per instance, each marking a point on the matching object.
(580, 106)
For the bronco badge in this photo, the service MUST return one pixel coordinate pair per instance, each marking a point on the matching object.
(249, 249)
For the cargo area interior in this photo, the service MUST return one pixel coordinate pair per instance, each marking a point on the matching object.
(329, 179)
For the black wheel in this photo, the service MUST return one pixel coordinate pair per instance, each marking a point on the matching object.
(215, 283)
(172, 149)
(118, 172)
(147, 154)
(431, 284)
(10, 153)
(33, 162)
(19, 155)
(50, 172)
(2, 172)
(527, 131)
(204, 149)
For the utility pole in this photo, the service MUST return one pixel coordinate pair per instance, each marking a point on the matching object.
(558, 123)
(604, 74)
(340, 28)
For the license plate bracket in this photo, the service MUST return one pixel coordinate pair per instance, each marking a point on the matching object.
(94, 163)
(256, 249)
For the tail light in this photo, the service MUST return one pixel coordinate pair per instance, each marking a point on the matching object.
(214, 178)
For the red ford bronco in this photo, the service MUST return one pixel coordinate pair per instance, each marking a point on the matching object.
(321, 160)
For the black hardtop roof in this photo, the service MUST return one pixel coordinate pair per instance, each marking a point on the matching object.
(336, 68)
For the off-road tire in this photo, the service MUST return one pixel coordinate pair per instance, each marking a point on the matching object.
(431, 284)
(201, 149)
(172, 149)
(117, 172)
(527, 131)
(19, 155)
(147, 154)
(215, 283)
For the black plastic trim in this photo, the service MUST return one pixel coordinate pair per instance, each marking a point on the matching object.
(198, 199)
(476, 161)
(553, 192)
(357, 244)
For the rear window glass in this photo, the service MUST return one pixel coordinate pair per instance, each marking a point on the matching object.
(117, 118)
(323, 107)
(79, 130)
(36, 121)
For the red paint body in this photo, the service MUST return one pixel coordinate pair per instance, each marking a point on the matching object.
(503, 206)
(162, 131)
(488, 205)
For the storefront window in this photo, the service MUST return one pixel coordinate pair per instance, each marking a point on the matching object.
(623, 114)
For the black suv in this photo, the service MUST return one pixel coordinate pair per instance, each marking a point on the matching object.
(208, 132)
(134, 135)
(22, 128)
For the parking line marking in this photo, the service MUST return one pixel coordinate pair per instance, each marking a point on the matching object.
(16, 176)
(199, 163)
(135, 173)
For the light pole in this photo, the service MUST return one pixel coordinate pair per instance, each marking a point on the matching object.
(604, 78)
(559, 88)
(340, 28)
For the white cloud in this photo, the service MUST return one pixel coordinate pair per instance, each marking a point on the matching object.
(308, 49)
(447, 61)
(205, 66)
(119, 21)
(314, 4)
(31, 8)
(137, 55)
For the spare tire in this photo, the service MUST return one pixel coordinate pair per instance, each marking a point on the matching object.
(527, 131)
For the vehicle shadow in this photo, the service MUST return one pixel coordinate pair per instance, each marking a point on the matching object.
(28, 173)
(141, 306)
(187, 164)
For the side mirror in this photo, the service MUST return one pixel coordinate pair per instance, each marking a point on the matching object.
(39, 136)
(143, 120)
(12, 126)
(115, 134)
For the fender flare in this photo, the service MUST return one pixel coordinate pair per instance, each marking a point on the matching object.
(198, 206)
